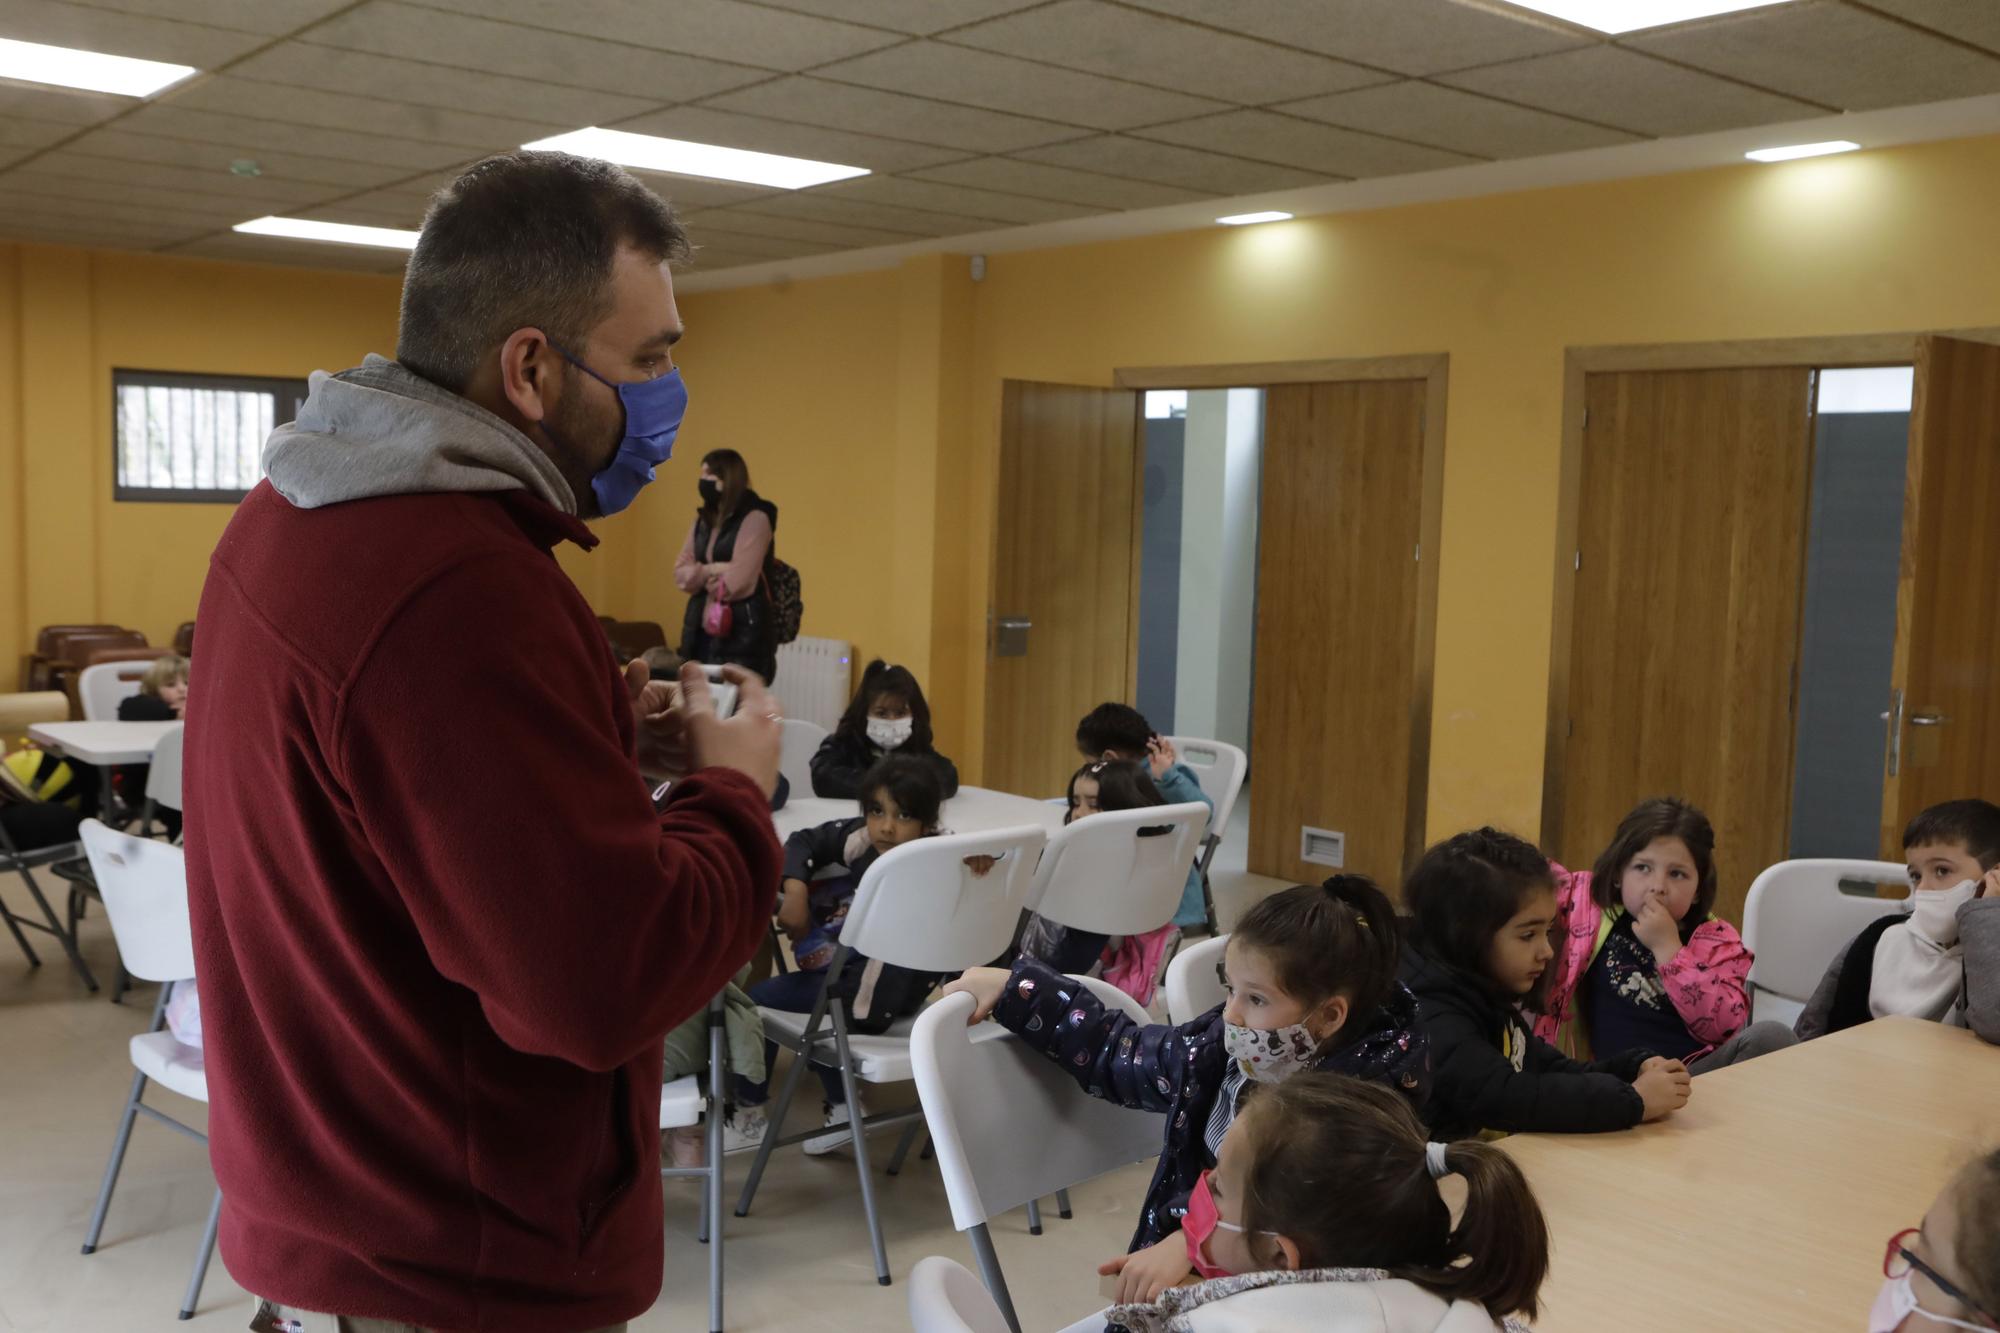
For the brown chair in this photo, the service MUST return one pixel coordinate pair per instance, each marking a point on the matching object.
(73, 650)
(631, 638)
(184, 640)
(34, 667)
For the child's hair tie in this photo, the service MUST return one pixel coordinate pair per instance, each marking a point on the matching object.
(1434, 1159)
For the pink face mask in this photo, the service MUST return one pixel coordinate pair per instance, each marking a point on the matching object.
(1201, 1222)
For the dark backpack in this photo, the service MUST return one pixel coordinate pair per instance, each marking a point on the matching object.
(787, 600)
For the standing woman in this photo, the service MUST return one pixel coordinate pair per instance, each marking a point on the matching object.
(721, 568)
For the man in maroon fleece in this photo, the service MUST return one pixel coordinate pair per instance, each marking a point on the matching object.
(440, 928)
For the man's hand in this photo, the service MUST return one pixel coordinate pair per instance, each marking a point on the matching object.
(663, 752)
(1144, 1274)
(748, 740)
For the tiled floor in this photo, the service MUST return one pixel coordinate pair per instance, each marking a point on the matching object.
(800, 1257)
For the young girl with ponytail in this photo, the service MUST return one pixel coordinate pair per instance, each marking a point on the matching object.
(1323, 1213)
(1311, 980)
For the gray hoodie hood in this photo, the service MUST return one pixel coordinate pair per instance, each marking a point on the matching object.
(382, 430)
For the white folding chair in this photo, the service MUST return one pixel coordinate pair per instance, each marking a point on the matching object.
(102, 687)
(1798, 916)
(921, 907)
(799, 743)
(1121, 872)
(1220, 768)
(946, 1298)
(163, 777)
(1194, 980)
(144, 886)
(683, 1102)
(1011, 1125)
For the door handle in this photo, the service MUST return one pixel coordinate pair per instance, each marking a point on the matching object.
(1928, 719)
(1010, 637)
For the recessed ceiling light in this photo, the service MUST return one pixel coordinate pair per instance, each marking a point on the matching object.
(1799, 150)
(1246, 219)
(651, 153)
(345, 233)
(93, 71)
(1632, 15)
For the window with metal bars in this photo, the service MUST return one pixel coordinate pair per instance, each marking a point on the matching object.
(194, 437)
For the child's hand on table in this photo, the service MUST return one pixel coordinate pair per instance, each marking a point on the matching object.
(1144, 1274)
(1663, 1085)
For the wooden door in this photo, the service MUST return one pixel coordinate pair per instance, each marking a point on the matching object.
(1944, 740)
(1066, 562)
(1688, 571)
(1338, 714)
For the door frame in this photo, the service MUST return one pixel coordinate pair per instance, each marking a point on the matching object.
(1833, 351)
(1434, 368)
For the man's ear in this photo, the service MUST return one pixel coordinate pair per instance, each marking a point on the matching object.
(529, 373)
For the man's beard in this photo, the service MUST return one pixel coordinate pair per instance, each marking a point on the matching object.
(574, 427)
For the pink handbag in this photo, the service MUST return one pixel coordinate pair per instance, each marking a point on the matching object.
(716, 619)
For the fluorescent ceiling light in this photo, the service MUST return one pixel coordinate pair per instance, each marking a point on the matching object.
(1245, 219)
(1799, 150)
(346, 233)
(92, 71)
(651, 153)
(1632, 15)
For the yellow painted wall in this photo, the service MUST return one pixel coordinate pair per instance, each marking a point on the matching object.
(868, 405)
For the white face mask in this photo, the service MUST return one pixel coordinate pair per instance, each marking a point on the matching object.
(889, 733)
(1934, 912)
(1897, 1301)
(1270, 1055)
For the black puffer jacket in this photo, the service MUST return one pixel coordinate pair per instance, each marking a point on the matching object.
(842, 761)
(1490, 1071)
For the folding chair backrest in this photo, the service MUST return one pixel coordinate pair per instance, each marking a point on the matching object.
(946, 1298)
(1798, 917)
(103, 687)
(800, 743)
(1220, 768)
(1008, 1123)
(921, 907)
(1193, 984)
(163, 779)
(1121, 872)
(144, 885)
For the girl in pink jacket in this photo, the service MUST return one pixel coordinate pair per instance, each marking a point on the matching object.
(1641, 963)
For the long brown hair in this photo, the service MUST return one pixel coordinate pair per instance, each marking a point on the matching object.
(734, 474)
(1660, 817)
(1339, 1166)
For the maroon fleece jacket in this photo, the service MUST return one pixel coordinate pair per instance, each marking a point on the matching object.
(440, 931)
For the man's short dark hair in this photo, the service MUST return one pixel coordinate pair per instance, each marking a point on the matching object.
(1972, 824)
(523, 240)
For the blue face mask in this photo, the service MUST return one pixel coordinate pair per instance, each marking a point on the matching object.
(653, 412)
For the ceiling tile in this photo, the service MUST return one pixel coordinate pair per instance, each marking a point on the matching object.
(1830, 54)
(1305, 144)
(25, 200)
(387, 78)
(272, 18)
(435, 127)
(755, 246)
(1161, 50)
(706, 124)
(1002, 83)
(1407, 36)
(686, 192)
(820, 207)
(28, 224)
(740, 222)
(369, 210)
(58, 106)
(94, 29)
(892, 115)
(1171, 164)
(1634, 92)
(19, 134)
(252, 135)
(1461, 121)
(1975, 21)
(748, 34)
(119, 144)
(921, 17)
(901, 191)
(468, 42)
(238, 248)
(36, 179)
(263, 192)
(1041, 181)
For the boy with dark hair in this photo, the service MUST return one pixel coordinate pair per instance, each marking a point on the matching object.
(1939, 959)
(1120, 731)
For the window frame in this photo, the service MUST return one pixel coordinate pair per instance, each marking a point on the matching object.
(290, 393)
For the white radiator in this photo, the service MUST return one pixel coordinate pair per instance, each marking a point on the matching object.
(815, 679)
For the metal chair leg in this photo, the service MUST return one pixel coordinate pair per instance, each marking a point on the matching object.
(55, 928)
(207, 1252)
(903, 1146)
(859, 1134)
(1034, 1217)
(111, 1168)
(1062, 1205)
(774, 1127)
(989, 1270)
(27, 949)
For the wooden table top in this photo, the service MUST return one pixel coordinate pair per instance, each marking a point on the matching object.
(1765, 1203)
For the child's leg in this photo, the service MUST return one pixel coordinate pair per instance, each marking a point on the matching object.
(1753, 1041)
(793, 993)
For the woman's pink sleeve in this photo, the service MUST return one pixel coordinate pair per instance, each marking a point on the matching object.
(746, 566)
(688, 576)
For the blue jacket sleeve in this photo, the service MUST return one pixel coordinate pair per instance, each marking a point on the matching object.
(1135, 1065)
(1180, 786)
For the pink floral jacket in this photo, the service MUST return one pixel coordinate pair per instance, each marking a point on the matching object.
(1705, 980)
